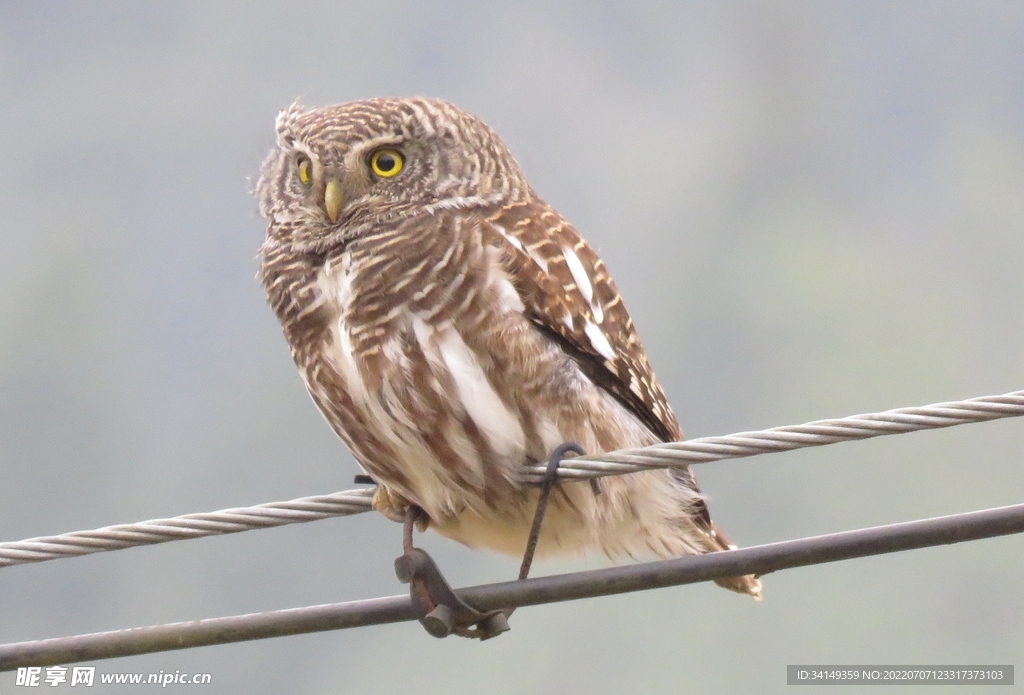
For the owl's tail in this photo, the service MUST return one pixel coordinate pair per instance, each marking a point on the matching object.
(748, 584)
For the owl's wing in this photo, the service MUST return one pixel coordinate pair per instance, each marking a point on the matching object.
(570, 296)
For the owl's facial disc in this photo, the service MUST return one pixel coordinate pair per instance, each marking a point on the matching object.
(333, 199)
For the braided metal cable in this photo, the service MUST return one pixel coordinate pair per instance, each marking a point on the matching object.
(674, 454)
(817, 433)
(187, 526)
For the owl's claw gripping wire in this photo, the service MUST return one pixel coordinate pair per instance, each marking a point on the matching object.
(444, 613)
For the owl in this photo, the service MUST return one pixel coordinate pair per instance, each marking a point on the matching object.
(453, 328)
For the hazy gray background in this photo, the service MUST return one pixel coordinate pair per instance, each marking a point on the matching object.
(812, 209)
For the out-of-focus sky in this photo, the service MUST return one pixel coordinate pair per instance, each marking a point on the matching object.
(812, 210)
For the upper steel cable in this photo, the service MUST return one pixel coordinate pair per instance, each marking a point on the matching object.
(673, 454)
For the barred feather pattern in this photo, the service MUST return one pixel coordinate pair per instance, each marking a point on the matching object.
(452, 328)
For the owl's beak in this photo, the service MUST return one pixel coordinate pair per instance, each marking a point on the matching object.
(333, 199)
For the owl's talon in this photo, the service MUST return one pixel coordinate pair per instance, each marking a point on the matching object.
(394, 506)
(389, 503)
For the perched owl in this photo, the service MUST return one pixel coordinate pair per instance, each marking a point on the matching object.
(452, 328)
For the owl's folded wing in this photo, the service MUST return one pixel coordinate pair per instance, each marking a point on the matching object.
(570, 296)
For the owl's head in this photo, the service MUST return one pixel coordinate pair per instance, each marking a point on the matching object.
(339, 171)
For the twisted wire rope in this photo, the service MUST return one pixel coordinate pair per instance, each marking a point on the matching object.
(186, 526)
(669, 455)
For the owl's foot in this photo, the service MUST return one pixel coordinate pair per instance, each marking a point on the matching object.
(395, 507)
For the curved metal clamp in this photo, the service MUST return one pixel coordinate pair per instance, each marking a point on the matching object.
(443, 611)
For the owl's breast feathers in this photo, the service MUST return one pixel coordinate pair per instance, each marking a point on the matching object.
(476, 333)
(448, 351)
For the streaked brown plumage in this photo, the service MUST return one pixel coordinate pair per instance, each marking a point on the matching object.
(452, 327)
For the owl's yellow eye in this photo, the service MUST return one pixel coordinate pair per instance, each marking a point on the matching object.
(387, 163)
(305, 171)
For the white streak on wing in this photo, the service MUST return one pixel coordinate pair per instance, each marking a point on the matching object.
(579, 274)
(501, 428)
(510, 238)
(539, 260)
(599, 341)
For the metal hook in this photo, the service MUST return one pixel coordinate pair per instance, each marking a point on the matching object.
(443, 611)
(550, 475)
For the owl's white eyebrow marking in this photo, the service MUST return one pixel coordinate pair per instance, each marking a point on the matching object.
(376, 142)
(297, 145)
(599, 341)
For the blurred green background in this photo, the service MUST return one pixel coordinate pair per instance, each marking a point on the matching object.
(812, 210)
